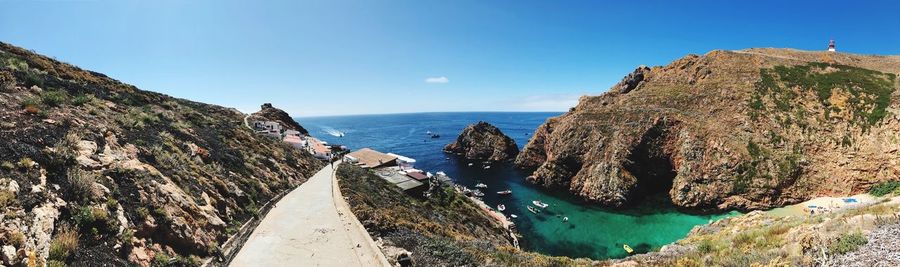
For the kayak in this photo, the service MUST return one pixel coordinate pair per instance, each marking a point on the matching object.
(627, 249)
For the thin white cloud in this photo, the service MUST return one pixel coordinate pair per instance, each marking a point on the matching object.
(441, 79)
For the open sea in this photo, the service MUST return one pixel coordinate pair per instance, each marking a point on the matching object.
(591, 231)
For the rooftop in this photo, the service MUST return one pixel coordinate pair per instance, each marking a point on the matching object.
(367, 157)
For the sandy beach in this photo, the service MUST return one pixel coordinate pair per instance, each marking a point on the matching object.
(824, 205)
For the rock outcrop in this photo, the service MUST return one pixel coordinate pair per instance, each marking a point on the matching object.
(483, 141)
(749, 129)
(96, 171)
(270, 113)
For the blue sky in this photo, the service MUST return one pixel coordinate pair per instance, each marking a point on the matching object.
(359, 57)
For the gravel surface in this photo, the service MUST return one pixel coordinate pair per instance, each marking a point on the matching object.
(883, 249)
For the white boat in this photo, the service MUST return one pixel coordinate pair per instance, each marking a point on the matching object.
(565, 219)
(481, 185)
(501, 207)
(513, 216)
(441, 173)
(477, 193)
(533, 210)
(540, 204)
(504, 192)
(487, 167)
(470, 164)
(428, 132)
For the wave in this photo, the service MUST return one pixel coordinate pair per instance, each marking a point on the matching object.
(332, 131)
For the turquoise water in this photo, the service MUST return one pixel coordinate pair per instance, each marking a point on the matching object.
(590, 232)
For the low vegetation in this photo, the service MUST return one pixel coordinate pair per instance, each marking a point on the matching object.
(760, 239)
(885, 188)
(444, 229)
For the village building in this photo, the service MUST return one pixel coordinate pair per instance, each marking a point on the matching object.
(404, 162)
(318, 148)
(294, 141)
(268, 128)
(293, 133)
(389, 167)
(371, 159)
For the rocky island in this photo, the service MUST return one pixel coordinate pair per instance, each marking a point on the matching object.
(483, 141)
(748, 129)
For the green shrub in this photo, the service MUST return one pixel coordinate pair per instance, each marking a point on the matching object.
(53, 98)
(55, 263)
(847, 243)
(706, 246)
(31, 102)
(161, 260)
(884, 188)
(65, 242)
(81, 99)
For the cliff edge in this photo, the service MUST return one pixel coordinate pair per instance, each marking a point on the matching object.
(749, 129)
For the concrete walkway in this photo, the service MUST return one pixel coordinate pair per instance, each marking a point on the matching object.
(311, 226)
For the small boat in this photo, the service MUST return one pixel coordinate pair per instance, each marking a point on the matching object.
(540, 204)
(470, 164)
(513, 216)
(504, 192)
(435, 136)
(565, 219)
(501, 207)
(481, 185)
(477, 193)
(487, 167)
(441, 173)
(533, 210)
(428, 132)
(627, 248)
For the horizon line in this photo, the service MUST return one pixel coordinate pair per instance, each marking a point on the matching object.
(422, 112)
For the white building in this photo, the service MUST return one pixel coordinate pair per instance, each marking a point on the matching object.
(404, 162)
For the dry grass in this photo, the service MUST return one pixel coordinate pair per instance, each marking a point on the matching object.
(64, 244)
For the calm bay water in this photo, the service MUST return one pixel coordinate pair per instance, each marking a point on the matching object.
(590, 232)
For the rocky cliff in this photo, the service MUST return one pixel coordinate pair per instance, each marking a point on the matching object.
(93, 170)
(747, 129)
(269, 113)
(483, 141)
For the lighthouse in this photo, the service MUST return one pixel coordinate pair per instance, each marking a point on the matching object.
(831, 46)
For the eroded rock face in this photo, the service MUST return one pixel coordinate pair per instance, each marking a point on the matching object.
(483, 141)
(728, 130)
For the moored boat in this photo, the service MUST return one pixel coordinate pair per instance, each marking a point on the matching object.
(540, 204)
(481, 185)
(504, 192)
(501, 207)
(513, 216)
(533, 210)
(565, 219)
(627, 248)
(477, 193)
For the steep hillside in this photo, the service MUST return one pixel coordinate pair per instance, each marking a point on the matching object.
(747, 129)
(444, 229)
(96, 171)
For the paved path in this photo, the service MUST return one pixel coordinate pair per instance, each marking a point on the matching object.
(311, 226)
